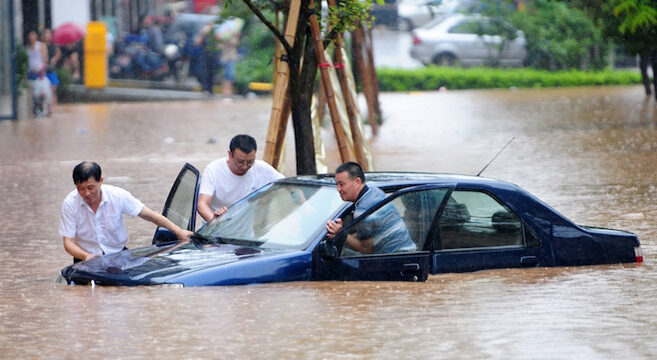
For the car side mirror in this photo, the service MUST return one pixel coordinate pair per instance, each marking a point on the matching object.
(328, 250)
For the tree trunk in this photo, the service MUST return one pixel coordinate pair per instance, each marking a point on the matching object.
(302, 84)
(643, 65)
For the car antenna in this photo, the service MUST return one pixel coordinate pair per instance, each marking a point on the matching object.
(496, 155)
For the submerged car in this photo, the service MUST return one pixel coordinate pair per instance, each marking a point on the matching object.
(277, 234)
(468, 40)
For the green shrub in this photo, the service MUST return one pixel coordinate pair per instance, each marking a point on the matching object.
(432, 78)
(20, 59)
(560, 37)
(65, 80)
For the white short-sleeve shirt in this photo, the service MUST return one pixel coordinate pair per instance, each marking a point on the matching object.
(226, 188)
(102, 232)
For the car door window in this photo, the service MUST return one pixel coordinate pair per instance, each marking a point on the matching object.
(181, 207)
(474, 219)
(400, 225)
(464, 27)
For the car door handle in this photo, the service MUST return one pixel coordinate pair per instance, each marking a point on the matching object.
(411, 267)
(528, 261)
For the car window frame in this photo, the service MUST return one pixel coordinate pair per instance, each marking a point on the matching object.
(435, 227)
(395, 193)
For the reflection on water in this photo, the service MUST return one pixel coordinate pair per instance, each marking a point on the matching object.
(588, 152)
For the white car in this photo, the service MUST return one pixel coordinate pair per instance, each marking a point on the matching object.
(453, 39)
(415, 13)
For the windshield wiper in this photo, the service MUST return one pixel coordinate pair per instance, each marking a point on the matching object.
(203, 239)
(244, 242)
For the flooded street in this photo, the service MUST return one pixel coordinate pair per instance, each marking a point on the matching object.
(591, 153)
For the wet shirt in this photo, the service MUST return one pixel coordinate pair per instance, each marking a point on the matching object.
(226, 188)
(102, 232)
(385, 226)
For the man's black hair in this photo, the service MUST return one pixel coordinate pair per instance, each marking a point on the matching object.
(353, 169)
(243, 142)
(86, 170)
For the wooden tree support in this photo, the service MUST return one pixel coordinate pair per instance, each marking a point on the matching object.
(280, 112)
(350, 102)
(326, 83)
(365, 76)
(375, 80)
(358, 123)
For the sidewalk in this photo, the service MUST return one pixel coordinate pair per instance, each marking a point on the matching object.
(140, 90)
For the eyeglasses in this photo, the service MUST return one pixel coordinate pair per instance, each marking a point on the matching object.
(248, 162)
(243, 162)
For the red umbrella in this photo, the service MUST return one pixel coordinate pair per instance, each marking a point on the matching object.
(67, 33)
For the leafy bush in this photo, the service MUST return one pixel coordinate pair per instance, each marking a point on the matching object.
(559, 36)
(433, 78)
(20, 59)
(65, 80)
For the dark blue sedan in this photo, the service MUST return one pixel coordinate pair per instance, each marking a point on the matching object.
(277, 234)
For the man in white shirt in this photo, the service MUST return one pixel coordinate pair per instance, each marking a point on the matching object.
(92, 223)
(227, 180)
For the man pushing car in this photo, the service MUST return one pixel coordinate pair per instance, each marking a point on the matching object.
(92, 223)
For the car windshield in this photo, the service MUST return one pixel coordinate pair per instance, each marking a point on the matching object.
(280, 215)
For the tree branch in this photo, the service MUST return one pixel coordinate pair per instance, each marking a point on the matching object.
(269, 25)
(330, 37)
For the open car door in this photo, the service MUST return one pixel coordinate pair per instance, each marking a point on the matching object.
(404, 218)
(180, 206)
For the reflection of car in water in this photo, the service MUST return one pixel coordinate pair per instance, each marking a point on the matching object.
(455, 39)
(277, 234)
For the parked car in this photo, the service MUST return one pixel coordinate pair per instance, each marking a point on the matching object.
(277, 234)
(415, 13)
(385, 13)
(467, 40)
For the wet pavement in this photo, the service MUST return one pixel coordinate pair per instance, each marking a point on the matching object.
(588, 152)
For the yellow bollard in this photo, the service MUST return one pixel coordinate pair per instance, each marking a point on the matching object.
(95, 55)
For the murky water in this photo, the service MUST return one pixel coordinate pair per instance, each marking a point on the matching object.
(589, 152)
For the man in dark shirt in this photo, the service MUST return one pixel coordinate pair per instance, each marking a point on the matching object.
(382, 231)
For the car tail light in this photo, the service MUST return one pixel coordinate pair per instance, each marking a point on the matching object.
(638, 254)
(416, 40)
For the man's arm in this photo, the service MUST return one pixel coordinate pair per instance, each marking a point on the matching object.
(55, 58)
(203, 208)
(160, 220)
(71, 246)
(363, 246)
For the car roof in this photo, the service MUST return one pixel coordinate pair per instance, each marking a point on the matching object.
(404, 179)
(445, 21)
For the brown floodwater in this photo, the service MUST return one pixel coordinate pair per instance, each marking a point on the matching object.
(591, 153)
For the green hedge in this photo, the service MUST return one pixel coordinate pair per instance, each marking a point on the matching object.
(432, 78)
